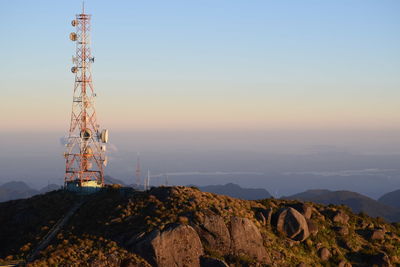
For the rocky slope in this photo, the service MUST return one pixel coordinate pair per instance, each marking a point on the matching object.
(182, 226)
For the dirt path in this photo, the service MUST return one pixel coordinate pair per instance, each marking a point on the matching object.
(53, 232)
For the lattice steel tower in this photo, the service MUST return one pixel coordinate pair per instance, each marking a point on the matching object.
(85, 155)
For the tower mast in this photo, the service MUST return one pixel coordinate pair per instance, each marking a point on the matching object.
(138, 172)
(85, 155)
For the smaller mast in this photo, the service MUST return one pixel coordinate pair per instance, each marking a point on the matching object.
(138, 171)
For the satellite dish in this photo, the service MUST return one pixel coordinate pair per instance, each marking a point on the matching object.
(74, 23)
(103, 148)
(86, 134)
(88, 152)
(104, 136)
(74, 69)
(72, 36)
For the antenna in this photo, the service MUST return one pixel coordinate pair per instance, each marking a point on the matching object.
(83, 7)
(138, 171)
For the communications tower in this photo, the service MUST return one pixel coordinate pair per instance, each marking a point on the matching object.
(85, 154)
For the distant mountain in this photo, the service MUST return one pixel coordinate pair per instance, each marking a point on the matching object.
(16, 186)
(18, 189)
(309, 194)
(356, 201)
(391, 199)
(234, 190)
(15, 190)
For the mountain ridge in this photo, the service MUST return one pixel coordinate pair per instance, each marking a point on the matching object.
(17, 189)
(236, 191)
(357, 202)
(183, 226)
(391, 198)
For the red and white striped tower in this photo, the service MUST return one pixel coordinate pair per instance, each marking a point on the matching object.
(85, 155)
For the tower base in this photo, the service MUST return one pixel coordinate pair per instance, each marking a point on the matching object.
(84, 188)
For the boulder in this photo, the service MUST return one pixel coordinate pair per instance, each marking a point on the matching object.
(312, 227)
(177, 245)
(247, 240)
(324, 254)
(214, 233)
(340, 217)
(377, 234)
(292, 224)
(212, 262)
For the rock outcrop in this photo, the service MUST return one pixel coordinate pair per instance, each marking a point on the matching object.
(324, 254)
(377, 234)
(312, 227)
(341, 217)
(182, 226)
(178, 245)
(215, 234)
(292, 224)
(247, 240)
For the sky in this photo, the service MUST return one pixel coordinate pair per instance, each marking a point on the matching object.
(274, 76)
(207, 64)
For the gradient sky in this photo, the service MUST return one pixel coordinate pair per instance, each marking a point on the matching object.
(210, 65)
(230, 86)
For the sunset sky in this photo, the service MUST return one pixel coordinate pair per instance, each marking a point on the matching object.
(209, 65)
(210, 86)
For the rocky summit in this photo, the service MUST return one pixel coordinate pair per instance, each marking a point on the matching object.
(182, 226)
